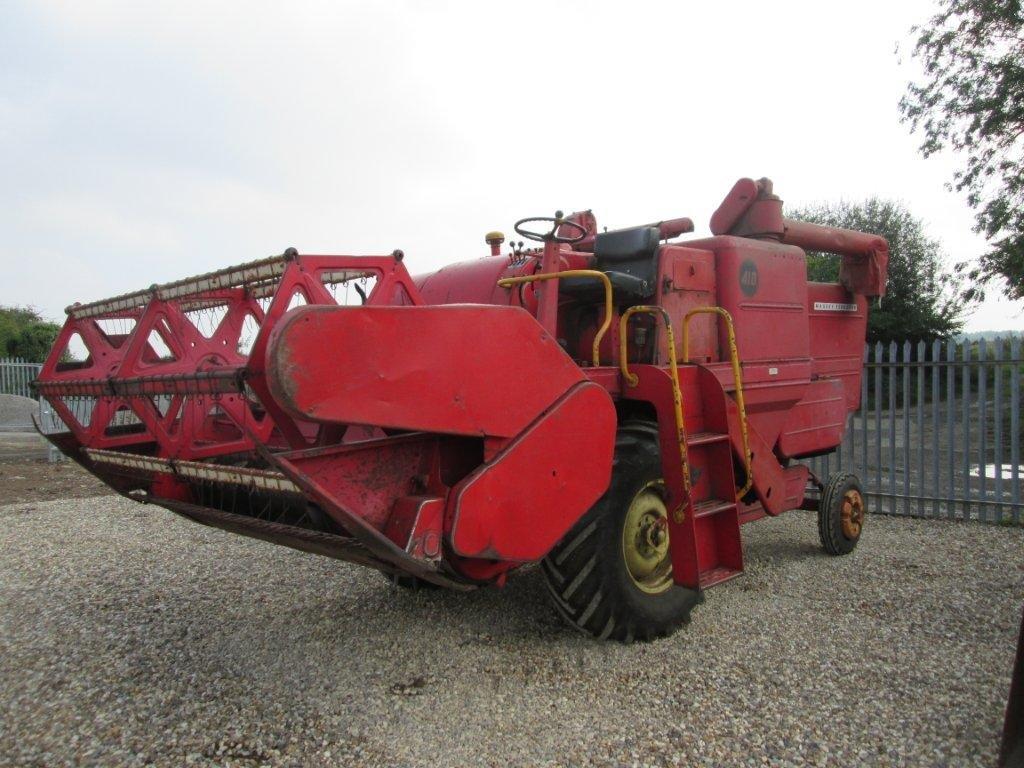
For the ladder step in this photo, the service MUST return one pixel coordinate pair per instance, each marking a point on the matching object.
(717, 575)
(712, 507)
(704, 438)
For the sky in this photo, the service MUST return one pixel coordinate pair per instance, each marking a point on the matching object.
(144, 142)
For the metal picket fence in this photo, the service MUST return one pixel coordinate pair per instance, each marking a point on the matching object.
(938, 433)
(17, 375)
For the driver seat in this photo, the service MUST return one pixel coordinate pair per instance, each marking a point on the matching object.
(630, 259)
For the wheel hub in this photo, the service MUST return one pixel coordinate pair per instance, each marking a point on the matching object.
(852, 514)
(645, 540)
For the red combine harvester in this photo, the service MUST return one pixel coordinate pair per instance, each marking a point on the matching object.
(614, 405)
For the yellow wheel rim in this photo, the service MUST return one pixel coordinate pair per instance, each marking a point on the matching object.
(645, 540)
(852, 514)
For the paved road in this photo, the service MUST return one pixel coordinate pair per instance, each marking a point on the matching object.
(16, 446)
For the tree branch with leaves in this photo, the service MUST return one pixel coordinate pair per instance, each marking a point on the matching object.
(25, 334)
(970, 99)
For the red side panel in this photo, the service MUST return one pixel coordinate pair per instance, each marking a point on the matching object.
(361, 481)
(817, 422)
(686, 280)
(764, 287)
(459, 369)
(517, 506)
(466, 282)
(838, 324)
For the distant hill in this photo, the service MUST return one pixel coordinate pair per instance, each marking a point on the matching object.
(987, 335)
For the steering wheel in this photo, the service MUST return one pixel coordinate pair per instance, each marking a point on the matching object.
(556, 222)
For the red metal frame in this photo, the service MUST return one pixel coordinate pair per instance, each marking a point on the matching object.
(204, 373)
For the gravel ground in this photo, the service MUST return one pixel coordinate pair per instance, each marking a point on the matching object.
(129, 636)
(40, 480)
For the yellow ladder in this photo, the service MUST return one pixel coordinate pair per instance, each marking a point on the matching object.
(737, 373)
(632, 379)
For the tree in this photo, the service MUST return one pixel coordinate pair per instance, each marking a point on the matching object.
(920, 303)
(25, 334)
(971, 99)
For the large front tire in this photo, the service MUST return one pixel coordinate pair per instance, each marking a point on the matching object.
(611, 575)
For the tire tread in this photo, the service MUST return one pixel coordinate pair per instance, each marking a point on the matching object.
(578, 576)
(830, 534)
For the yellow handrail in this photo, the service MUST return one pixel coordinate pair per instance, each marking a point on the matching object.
(737, 374)
(677, 395)
(508, 282)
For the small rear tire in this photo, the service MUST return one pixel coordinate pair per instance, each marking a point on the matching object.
(611, 575)
(841, 513)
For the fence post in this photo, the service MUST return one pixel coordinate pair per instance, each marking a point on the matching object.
(851, 435)
(950, 427)
(965, 416)
(878, 418)
(936, 396)
(982, 428)
(864, 411)
(997, 428)
(1015, 427)
(921, 484)
(893, 508)
(906, 428)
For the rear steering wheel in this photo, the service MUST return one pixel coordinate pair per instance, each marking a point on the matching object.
(556, 222)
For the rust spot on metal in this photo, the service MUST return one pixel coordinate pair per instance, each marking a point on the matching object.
(852, 514)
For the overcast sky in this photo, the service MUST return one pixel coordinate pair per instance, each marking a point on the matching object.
(142, 142)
